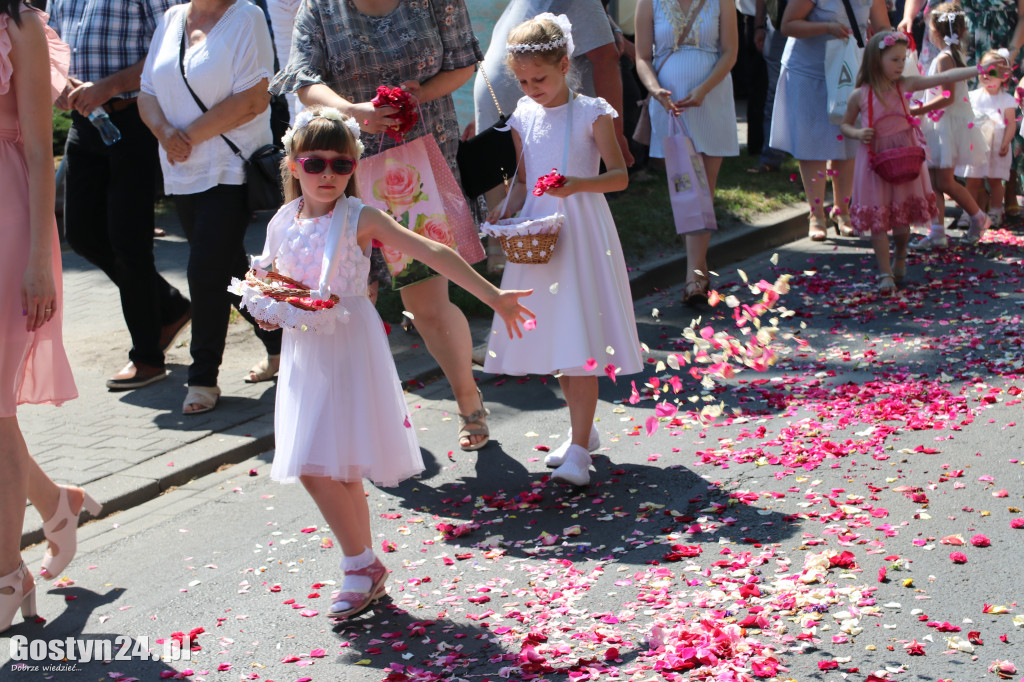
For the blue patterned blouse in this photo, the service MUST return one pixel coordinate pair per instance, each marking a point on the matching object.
(352, 53)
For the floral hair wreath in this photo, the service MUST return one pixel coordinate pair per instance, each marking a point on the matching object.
(306, 116)
(562, 22)
(892, 39)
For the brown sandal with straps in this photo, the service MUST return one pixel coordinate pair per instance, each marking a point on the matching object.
(474, 424)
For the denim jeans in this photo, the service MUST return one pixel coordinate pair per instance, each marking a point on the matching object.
(215, 221)
(774, 45)
(108, 220)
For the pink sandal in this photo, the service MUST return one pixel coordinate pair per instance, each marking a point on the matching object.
(360, 601)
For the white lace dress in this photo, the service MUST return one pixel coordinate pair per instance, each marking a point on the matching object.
(581, 296)
(340, 410)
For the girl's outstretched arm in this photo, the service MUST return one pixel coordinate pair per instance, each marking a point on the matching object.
(615, 177)
(948, 77)
(849, 125)
(375, 224)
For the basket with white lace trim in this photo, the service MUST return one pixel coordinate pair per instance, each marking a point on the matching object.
(529, 241)
(274, 299)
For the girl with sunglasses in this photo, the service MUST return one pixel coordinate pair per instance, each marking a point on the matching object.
(995, 112)
(340, 414)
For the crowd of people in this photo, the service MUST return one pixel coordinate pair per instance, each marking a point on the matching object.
(190, 90)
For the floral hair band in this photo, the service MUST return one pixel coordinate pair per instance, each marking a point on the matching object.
(950, 18)
(892, 39)
(306, 116)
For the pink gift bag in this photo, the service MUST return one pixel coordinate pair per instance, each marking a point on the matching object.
(688, 187)
(413, 184)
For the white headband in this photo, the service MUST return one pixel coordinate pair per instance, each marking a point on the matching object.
(562, 22)
(306, 116)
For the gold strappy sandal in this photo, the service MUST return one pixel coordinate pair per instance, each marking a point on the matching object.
(474, 424)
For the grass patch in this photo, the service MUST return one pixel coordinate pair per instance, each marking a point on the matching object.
(643, 215)
(389, 301)
(61, 126)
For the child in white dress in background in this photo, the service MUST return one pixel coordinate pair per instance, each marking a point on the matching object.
(995, 110)
(585, 325)
(340, 413)
(948, 126)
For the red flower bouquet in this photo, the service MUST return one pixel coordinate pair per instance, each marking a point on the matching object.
(407, 114)
(549, 181)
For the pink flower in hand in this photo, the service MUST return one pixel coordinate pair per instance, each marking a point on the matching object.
(549, 181)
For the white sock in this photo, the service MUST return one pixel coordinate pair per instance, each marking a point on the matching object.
(937, 230)
(357, 583)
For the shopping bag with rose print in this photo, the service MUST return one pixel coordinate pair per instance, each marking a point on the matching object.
(413, 184)
(688, 189)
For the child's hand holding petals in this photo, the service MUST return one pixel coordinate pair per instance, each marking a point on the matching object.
(568, 187)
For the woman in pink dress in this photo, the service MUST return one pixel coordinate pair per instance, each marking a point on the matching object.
(33, 366)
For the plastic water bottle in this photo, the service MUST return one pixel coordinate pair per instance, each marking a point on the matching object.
(108, 131)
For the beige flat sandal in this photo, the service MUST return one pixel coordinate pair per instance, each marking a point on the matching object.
(204, 396)
(264, 370)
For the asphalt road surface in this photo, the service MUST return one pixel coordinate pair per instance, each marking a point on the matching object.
(750, 546)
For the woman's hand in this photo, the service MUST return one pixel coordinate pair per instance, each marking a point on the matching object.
(38, 295)
(176, 143)
(905, 25)
(837, 30)
(512, 311)
(373, 120)
(693, 99)
(413, 88)
(664, 97)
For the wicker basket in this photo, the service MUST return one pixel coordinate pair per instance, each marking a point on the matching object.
(527, 241)
(899, 165)
(281, 288)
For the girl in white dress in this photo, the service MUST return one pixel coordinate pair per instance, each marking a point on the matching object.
(948, 126)
(340, 414)
(996, 112)
(585, 324)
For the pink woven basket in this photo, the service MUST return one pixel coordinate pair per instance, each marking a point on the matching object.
(899, 165)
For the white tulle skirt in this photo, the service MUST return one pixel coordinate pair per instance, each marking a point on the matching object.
(340, 410)
(581, 298)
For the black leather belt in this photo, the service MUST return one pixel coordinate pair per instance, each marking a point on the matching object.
(118, 104)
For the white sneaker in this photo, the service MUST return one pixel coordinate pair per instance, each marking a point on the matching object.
(575, 468)
(976, 232)
(964, 221)
(996, 218)
(555, 458)
(930, 243)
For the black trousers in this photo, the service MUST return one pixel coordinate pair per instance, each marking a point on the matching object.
(215, 222)
(108, 219)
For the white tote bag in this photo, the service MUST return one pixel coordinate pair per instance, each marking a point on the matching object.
(842, 62)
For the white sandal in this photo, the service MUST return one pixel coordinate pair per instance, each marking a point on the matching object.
(886, 284)
(204, 396)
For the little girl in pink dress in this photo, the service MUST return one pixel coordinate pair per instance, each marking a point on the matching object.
(881, 207)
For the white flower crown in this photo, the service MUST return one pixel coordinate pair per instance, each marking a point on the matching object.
(562, 22)
(306, 116)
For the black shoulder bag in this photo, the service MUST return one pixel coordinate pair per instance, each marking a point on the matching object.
(265, 189)
(852, 18)
(487, 159)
